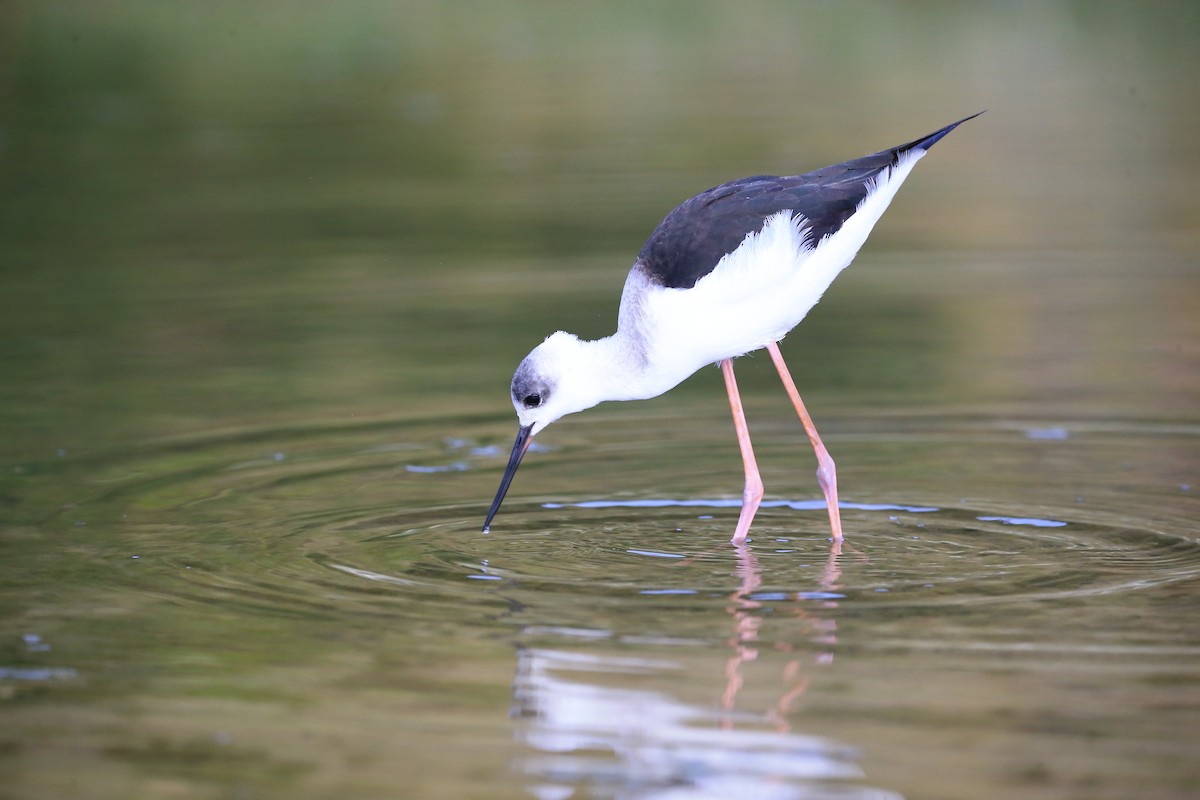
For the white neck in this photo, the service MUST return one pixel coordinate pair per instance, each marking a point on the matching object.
(616, 369)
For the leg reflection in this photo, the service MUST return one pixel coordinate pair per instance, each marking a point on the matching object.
(815, 633)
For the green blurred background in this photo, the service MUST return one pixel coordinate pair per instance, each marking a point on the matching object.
(227, 213)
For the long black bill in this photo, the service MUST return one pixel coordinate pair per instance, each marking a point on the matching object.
(524, 438)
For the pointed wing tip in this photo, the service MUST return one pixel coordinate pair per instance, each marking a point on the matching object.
(935, 137)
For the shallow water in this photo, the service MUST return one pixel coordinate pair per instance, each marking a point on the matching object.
(257, 334)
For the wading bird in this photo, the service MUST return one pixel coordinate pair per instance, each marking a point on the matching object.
(729, 271)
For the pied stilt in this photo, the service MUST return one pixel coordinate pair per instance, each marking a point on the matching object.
(729, 271)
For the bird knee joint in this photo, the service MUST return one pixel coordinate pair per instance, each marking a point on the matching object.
(826, 473)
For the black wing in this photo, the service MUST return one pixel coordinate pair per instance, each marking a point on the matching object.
(687, 245)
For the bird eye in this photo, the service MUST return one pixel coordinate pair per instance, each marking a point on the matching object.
(532, 400)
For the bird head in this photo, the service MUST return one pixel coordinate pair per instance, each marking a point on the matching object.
(551, 382)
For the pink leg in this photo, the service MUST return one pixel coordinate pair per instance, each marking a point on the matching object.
(826, 472)
(753, 493)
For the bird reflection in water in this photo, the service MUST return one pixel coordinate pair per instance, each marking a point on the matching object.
(598, 730)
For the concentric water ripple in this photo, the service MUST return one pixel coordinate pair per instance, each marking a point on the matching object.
(366, 519)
